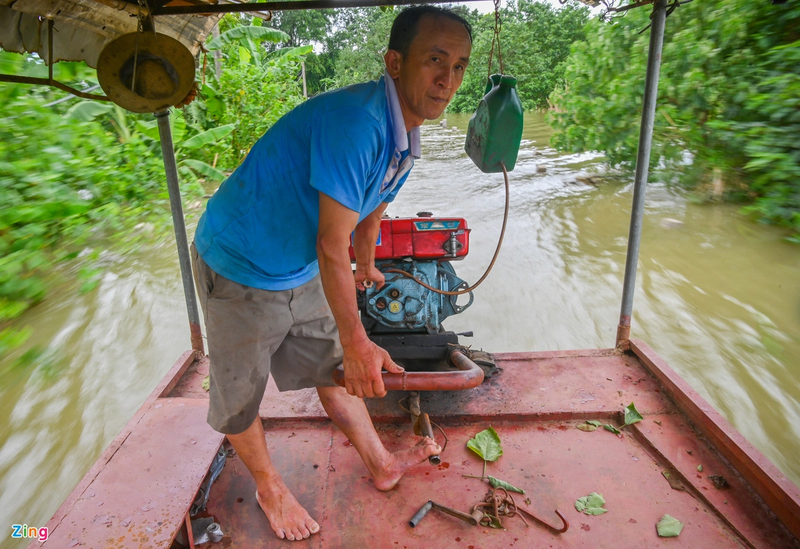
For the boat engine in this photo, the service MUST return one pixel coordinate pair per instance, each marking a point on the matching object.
(404, 317)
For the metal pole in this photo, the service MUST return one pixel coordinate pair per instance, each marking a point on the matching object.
(642, 165)
(171, 169)
(303, 69)
(217, 55)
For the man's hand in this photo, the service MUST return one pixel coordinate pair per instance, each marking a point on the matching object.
(370, 273)
(362, 364)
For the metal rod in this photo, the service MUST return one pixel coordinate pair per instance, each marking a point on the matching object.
(642, 166)
(284, 6)
(469, 375)
(48, 82)
(420, 514)
(189, 533)
(454, 513)
(422, 423)
(50, 49)
(171, 169)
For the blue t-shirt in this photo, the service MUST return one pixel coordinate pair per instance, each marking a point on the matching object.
(260, 227)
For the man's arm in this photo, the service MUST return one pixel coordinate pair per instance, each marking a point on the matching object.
(364, 240)
(363, 359)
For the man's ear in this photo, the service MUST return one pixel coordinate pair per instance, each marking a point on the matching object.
(394, 61)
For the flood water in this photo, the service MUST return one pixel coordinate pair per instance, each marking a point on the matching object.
(717, 297)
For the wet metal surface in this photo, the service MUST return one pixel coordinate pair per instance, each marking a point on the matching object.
(544, 453)
(141, 496)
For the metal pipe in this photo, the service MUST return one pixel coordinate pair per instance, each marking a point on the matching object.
(171, 169)
(469, 375)
(642, 168)
(14, 79)
(420, 514)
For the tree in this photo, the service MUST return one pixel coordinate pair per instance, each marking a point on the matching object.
(728, 95)
(535, 41)
(362, 43)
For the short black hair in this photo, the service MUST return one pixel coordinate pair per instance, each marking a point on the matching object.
(406, 25)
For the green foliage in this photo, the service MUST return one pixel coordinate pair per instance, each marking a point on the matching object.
(728, 94)
(535, 41)
(362, 44)
(591, 504)
(486, 444)
(669, 527)
(497, 483)
(79, 176)
(249, 36)
(632, 415)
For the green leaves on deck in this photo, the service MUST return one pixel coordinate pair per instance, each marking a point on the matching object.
(486, 444)
(632, 415)
(669, 527)
(591, 504)
(497, 483)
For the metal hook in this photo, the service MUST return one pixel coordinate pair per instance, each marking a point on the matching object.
(555, 529)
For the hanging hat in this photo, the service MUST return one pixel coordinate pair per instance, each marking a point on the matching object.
(162, 66)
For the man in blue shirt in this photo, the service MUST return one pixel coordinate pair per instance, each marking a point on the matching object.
(276, 235)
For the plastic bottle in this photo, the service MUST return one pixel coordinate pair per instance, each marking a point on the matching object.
(495, 130)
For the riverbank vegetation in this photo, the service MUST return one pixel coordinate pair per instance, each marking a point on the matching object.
(78, 177)
(728, 112)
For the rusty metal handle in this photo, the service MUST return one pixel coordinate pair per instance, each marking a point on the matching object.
(424, 425)
(469, 375)
(470, 519)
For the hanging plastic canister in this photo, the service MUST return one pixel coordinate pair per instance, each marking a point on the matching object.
(495, 130)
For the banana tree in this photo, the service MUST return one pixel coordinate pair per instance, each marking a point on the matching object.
(190, 168)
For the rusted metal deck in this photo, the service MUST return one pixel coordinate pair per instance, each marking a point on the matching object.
(535, 405)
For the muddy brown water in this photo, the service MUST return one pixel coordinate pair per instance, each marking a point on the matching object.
(717, 296)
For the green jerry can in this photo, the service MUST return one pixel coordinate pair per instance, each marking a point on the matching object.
(495, 130)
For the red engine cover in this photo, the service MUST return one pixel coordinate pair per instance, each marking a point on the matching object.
(421, 238)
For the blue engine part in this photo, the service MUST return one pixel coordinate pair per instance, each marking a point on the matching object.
(402, 305)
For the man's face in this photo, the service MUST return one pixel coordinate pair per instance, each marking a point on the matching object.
(430, 74)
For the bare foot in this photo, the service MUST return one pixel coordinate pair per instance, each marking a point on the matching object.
(388, 476)
(286, 516)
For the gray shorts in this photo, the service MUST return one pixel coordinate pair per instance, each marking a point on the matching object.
(252, 332)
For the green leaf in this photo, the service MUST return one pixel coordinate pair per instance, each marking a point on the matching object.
(244, 56)
(208, 137)
(611, 428)
(204, 169)
(593, 422)
(591, 504)
(88, 110)
(669, 527)
(244, 33)
(206, 383)
(486, 444)
(587, 427)
(632, 415)
(298, 51)
(700, 468)
(497, 483)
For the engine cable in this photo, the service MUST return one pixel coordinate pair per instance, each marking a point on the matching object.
(491, 264)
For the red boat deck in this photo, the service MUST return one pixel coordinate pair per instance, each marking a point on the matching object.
(535, 405)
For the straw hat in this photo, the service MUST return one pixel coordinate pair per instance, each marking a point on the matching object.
(163, 68)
